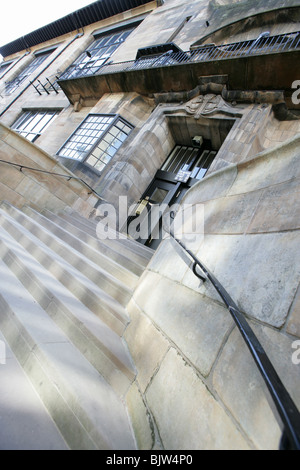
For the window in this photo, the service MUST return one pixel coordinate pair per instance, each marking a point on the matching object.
(97, 140)
(196, 161)
(32, 124)
(14, 84)
(202, 165)
(158, 56)
(96, 55)
(155, 61)
(4, 67)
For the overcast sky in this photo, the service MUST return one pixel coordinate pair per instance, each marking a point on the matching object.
(20, 17)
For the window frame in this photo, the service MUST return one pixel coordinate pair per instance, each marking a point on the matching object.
(89, 153)
(28, 117)
(192, 159)
(5, 67)
(15, 83)
(75, 70)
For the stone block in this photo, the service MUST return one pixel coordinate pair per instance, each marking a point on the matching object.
(243, 391)
(278, 209)
(293, 324)
(168, 263)
(186, 412)
(8, 194)
(230, 214)
(195, 324)
(10, 176)
(146, 343)
(271, 167)
(267, 294)
(31, 428)
(140, 419)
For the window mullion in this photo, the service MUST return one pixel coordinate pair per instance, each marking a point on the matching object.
(97, 154)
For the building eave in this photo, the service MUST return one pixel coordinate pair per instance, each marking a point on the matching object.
(85, 16)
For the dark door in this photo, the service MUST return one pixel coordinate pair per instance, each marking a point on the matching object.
(182, 169)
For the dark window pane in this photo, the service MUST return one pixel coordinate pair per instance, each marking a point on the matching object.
(32, 124)
(98, 139)
(14, 84)
(96, 55)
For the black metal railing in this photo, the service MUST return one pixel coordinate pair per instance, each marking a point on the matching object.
(285, 407)
(264, 44)
(48, 86)
(67, 177)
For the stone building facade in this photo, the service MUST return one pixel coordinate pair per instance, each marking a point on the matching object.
(193, 103)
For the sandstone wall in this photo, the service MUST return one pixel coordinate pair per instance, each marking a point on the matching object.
(40, 190)
(197, 382)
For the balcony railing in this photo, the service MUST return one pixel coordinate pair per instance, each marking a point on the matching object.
(264, 44)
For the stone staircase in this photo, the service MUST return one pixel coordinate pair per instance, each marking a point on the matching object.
(63, 300)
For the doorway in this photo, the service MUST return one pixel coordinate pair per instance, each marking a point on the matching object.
(183, 168)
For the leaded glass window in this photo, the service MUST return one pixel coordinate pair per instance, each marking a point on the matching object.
(192, 159)
(96, 55)
(97, 140)
(14, 84)
(32, 124)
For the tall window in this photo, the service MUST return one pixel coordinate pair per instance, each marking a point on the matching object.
(96, 55)
(14, 84)
(96, 140)
(32, 124)
(196, 161)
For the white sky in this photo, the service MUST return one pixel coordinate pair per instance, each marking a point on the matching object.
(20, 17)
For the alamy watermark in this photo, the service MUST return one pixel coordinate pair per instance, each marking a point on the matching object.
(296, 354)
(151, 221)
(296, 94)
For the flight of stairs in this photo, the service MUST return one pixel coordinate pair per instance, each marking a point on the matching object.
(63, 297)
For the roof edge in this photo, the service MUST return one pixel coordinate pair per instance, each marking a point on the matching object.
(97, 11)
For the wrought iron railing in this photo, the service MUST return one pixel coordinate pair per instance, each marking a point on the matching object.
(285, 407)
(264, 44)
(67, 177)
(47, 86)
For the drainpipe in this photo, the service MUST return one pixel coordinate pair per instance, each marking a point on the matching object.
(40, 73)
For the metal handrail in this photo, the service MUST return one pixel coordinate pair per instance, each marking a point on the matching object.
(284, 404)
(68, 177)
(262, 45)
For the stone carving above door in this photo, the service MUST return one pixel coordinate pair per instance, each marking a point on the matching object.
(211, 105)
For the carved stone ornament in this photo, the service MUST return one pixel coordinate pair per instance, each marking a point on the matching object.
(211, 106)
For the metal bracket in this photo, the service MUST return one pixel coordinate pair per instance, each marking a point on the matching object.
(203, 278)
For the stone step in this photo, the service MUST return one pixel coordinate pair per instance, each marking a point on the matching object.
(101, 346)
(84, 243)
(130, 248)
(103, 272)
(112, 262)
(25, 422)
(110, 294)
(85, 408)
(124, 239)
(99, 302)
(103, 260)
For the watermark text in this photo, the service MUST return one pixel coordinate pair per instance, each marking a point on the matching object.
(154, 221)
(296, 94)
(296, 354)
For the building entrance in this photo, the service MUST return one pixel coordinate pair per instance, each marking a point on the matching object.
(184, 167)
